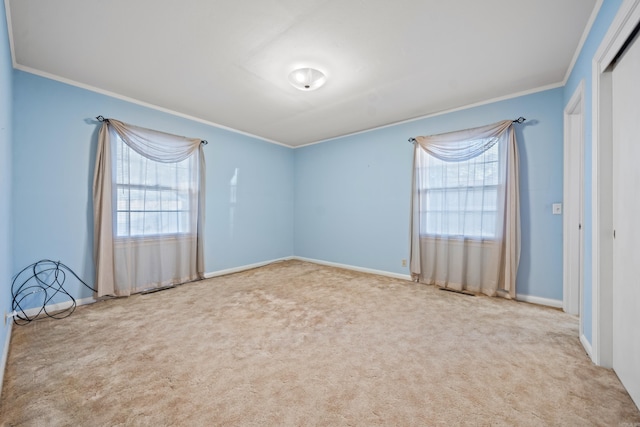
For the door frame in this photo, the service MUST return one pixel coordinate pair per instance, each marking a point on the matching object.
(573, 263)
(624, 23)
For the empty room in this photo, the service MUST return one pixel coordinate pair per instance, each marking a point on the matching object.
(319, 212)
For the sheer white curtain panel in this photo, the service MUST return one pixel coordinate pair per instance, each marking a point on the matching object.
(148, 200)
(465, 224)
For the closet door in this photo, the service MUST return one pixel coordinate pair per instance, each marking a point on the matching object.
(626, 219)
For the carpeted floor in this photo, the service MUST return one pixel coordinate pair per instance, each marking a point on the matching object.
(294, 344)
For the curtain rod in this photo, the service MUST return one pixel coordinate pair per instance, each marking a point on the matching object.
(518, 120)
(102, 119)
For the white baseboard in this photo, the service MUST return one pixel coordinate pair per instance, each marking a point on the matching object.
(243, 268)
(5, 355)
(540, 301)
(354, 268)
(31, 312)
(587, 346)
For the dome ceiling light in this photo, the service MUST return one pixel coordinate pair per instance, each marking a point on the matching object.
(307, 79)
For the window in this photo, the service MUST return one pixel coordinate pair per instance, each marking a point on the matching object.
(460, 199)
(153, 199)
(148, 199)
(465, 209)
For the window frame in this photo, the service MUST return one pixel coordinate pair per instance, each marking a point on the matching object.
(459, 237)
(118, 186)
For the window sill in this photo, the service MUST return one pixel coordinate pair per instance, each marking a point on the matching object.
(150, 240)
(460, 239)
(453, 242)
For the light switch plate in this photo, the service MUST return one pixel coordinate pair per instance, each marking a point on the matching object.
(557, 208)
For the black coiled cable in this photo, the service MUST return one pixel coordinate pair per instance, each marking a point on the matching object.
(43, 276)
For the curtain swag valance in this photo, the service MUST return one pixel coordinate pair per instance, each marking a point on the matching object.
(465, 144)
(155, 145)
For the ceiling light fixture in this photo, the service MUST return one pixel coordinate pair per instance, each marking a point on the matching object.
(307, 78)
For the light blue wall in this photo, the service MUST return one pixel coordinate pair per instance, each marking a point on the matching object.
(352, 200)
(6, 73)
(582, 71)
(55, 138)
(353, 194)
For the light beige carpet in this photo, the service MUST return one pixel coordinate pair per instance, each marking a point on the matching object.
(297, 344)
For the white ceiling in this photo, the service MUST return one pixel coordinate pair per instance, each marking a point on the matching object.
(227, 62)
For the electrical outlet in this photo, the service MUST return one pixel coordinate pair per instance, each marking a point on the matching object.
(404, 262)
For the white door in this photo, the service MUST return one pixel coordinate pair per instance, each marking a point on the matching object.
(626, 220)
(573, 200)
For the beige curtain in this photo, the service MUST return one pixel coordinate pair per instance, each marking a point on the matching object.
(465, 224)
(147, 233)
